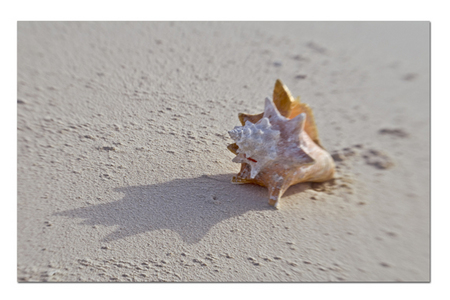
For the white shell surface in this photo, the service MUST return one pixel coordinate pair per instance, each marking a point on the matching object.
(257, 142)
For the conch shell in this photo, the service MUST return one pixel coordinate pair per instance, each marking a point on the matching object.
(280, 147)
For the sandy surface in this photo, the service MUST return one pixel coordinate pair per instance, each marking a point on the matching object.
(124, 175)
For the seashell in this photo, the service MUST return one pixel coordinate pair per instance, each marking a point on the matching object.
(280, 147)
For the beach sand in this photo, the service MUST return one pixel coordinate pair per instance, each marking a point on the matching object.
(124, 174)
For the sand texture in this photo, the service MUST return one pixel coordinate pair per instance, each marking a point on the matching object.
(124, 174)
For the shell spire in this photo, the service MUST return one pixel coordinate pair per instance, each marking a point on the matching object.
(280, 147)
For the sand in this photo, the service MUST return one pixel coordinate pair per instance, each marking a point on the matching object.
(124, 175)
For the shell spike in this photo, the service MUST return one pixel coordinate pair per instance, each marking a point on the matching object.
(297, 124)
(282, 98)
(275, 194)
(233, 148)
(277, 188)
(303, 159)
(270, 110)
(243, 118)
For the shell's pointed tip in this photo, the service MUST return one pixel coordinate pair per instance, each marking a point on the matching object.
(233, 147)
(297, 124)
(298, 119)
(235, 180)
(278, 81)
(269, 105)
(302, 158)
(274, 203)
(274, 196)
